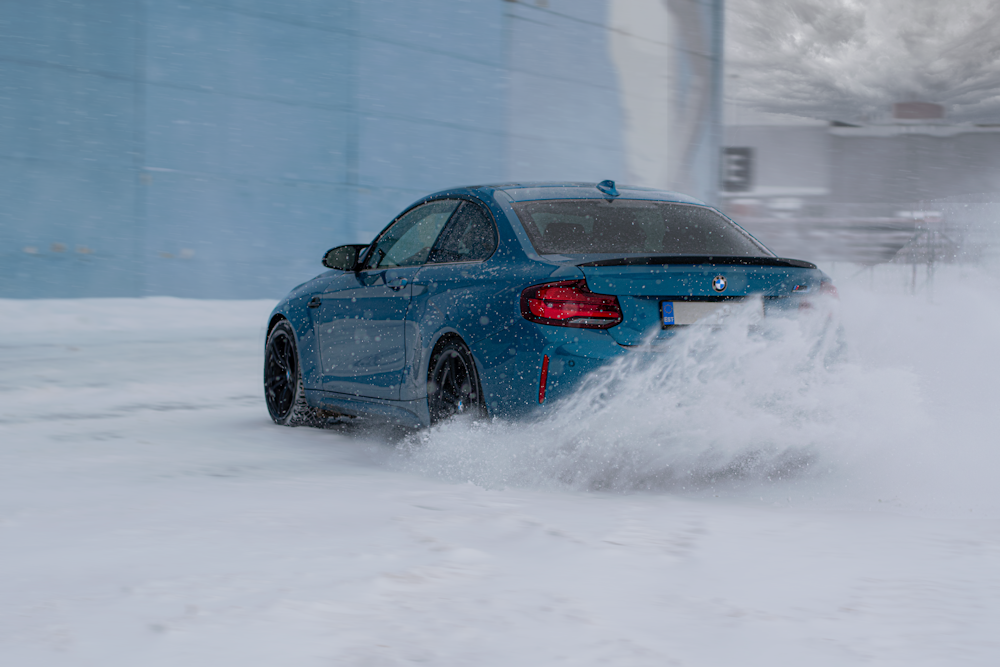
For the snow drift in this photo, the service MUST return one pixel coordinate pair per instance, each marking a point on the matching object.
(735, 399)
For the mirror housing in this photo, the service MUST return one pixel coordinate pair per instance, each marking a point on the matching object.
(343, 257)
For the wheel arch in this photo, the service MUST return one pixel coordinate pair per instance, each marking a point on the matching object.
(300, 412)
(273, 322)
(303, 337)
(441, 338)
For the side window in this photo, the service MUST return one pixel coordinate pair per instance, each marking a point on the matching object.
(470, 236)
(409, 240)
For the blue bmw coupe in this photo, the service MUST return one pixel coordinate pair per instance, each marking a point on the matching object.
(498, 299)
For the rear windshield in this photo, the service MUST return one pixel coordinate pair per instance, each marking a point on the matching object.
(584, 226)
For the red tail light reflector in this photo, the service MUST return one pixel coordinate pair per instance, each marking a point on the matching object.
(570, 303)
(825, 287)
(544, 379)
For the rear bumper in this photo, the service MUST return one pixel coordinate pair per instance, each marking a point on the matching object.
(511, 374)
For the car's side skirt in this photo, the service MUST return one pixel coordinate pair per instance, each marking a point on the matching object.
(412, 414)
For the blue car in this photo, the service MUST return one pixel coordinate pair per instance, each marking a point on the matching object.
(499, 299)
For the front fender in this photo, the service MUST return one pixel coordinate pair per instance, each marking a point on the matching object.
(294, 308)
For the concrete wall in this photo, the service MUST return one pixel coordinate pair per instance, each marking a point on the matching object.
(217, 148)
(870, 165)
(69, 149)
(786, 159)
(815, 169)
(564, 105)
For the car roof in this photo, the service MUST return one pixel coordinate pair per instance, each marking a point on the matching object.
(530, 191)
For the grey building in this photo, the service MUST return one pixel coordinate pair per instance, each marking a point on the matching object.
(782, 166)
(217, 148)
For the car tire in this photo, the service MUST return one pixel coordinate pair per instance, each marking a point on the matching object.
(453, 386)
(283, 390)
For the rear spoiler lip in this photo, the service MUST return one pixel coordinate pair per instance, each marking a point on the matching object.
(701, 259)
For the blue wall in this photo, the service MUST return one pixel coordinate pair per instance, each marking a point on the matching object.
(217, 149)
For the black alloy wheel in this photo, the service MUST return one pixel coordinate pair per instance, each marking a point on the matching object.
(453, 383)
(283, 391)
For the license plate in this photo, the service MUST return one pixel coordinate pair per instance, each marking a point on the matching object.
(686, 312)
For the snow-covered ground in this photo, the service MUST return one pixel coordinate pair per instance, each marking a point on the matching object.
(745, 504)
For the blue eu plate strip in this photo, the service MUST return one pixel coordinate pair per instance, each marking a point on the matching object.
(667, 307)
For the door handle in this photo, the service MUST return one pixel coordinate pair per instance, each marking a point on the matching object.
(315, 302)
(397, 283)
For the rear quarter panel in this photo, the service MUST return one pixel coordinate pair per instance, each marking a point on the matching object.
(481, 303)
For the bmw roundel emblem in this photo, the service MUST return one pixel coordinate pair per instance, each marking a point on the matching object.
(719, 283)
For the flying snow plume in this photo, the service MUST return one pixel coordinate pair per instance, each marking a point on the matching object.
(734, 400)
(852, 59)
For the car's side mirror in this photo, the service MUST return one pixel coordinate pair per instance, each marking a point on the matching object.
(343, 258)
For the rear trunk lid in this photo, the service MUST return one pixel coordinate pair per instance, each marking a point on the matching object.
(690, 287)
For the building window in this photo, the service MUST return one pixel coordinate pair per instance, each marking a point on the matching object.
(737, 169)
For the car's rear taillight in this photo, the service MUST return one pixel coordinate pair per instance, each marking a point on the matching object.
(570, 303)
(825, 287)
